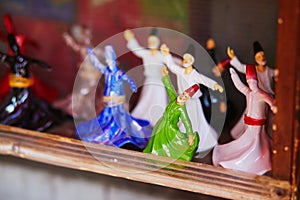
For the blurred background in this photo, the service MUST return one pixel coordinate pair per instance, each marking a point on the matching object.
(231, 23)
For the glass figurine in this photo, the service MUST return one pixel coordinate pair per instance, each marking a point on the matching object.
(251, 151)
(187, 76)
(149, 108)
(265, 76)
(79, 38)
(114, 126)
(167, 140)
(20, 107)
(40, 89)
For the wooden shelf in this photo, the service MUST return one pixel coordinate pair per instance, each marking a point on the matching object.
(189, 176)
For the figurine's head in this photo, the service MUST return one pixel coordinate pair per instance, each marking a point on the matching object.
(13, 44)
(210, 44)
(259, 54)
(188, 60)
(187, 94)
(110, 57)
(188, 57)
(153, 40)
(81, 33)
(251, 76)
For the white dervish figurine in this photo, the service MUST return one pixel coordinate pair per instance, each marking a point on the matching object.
(186, 77)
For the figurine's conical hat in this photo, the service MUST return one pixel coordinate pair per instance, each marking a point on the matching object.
(191, 50)
(192, 90)
(251, 72)
(257, 47)
(154, 32)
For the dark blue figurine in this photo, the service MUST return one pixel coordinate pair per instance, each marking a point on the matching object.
(114, 126)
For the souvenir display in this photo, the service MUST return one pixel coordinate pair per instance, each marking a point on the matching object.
(149, 108)
(20, 107)
(79, 39)
(265, 76)
(251, 152)
(167, 140)
(114, 125)
(40, 89)
(187, 76)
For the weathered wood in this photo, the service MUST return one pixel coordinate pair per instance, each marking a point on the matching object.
(190, 176)
(287, 62)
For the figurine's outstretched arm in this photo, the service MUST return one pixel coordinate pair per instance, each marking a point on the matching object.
(71, 42)
(133, 45)
(235, 61)
(130, 82)
(168, 84)
(95, 61)
(269, 101)
(168, 59)
(40, 63)
(208, 82)
(238, 83)
(3, 57)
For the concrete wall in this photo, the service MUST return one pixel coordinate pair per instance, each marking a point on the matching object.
(27, 180)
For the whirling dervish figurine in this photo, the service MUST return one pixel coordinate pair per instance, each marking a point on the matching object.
(80, 39)
(251, 152)
(265, 76)
(114, 126)
(167, 140)
(186, 77)
(40, 89)
(20, 107)
(149, 108)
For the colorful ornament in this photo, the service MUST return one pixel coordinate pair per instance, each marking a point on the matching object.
(265, 76)
(149, 108)
(40, 89)
(251, 151)
(79, 39)
(20, 107)
(167, 140)
(114, 126)
(186, 77)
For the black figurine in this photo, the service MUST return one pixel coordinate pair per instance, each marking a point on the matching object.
(20, 107)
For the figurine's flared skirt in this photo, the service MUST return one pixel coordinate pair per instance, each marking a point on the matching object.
(170, 142)
(249, 153)
(114, 126)
(208, 136)
(29, 112)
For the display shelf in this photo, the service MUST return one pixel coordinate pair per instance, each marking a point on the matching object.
(128, 164)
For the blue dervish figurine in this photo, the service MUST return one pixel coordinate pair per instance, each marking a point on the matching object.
(114, 126)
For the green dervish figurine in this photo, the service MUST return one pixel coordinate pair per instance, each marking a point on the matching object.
(166, 139)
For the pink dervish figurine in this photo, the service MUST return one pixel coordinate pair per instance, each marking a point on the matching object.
(265, 76)
(79, 39)
(149, 108)
(186, 77)
(251, 151)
